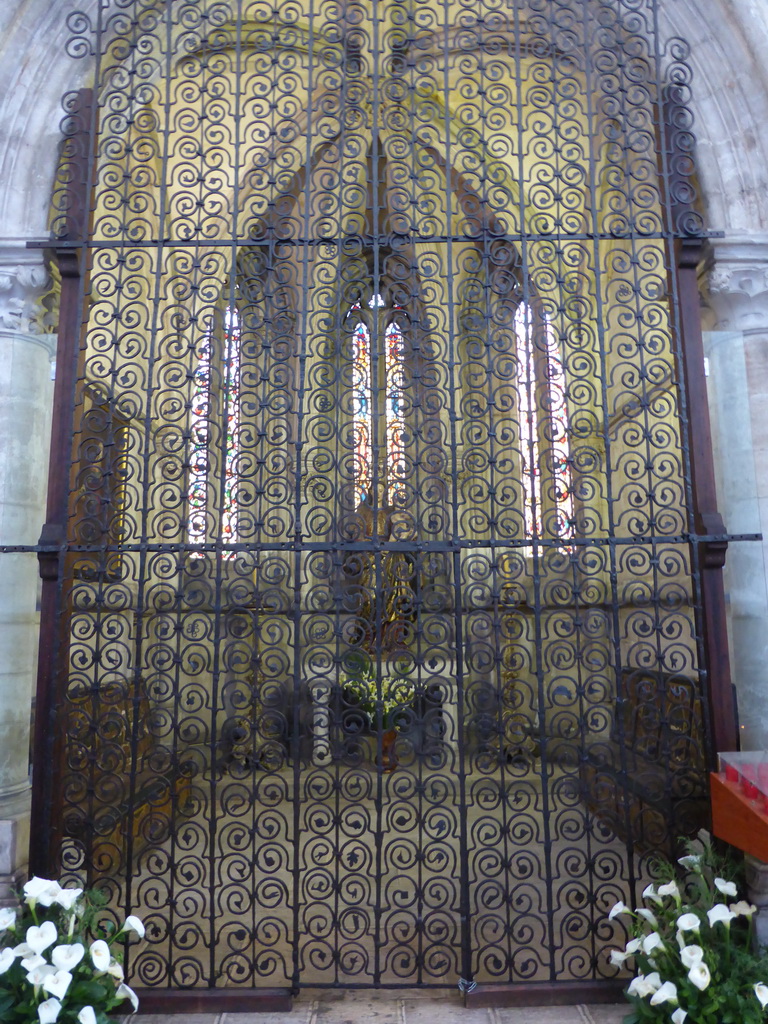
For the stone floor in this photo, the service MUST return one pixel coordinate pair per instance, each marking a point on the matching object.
(403, 1007)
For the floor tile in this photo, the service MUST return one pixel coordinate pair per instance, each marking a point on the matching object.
(608, 1013)
(537, 1015)
(447, 1011)
(358, 1007)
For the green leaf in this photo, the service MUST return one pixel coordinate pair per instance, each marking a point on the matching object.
(88, 992)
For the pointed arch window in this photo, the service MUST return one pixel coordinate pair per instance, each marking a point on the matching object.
(378, 399)
(543, 418)
(214, 440)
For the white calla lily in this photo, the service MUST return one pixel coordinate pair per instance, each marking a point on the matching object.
(7, 918)
(743, 909)
(134, 924)
(666, 994)
(692, 862)
(651, 942)
(618, 908)
(761, 992)
(618, 958)
(126, 992)
(48, 1011)
(66, 958)
(720, 913)
(67, 898)
(100, 955)
(726, 888)
(688, 923)
(699, 975)
(115, 970)
(691, 955)
(87, 1015)
(29, 963)
(57, 984)
(7, 959)
(644, 985)
(39, 939)
(649, 916)
(34, 888)
(38, 976)
(649, 893)
(670, 889)
(22, 950)
(632, 946)
(679, 1015)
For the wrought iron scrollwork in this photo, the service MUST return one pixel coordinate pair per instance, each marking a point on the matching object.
(383, 655)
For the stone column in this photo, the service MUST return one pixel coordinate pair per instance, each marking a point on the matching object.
(736, 345)
(26, 389)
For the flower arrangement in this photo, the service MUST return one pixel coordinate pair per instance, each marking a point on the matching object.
(692, 949)
(396, 695)
(55, 964)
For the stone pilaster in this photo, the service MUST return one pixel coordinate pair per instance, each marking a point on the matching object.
(26, 356)
(736, 344)
(756, 872)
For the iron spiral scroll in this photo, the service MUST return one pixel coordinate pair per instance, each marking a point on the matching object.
(382, 652)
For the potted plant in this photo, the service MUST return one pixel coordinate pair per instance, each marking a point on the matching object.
(691, 949)
(58, 962)
(393, 704)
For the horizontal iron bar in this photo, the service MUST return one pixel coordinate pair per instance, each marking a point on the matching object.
(459, 545)
(366, 241)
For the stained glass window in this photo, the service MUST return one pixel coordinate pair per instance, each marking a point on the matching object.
(362, 405)
(211, 407)
(541, 391)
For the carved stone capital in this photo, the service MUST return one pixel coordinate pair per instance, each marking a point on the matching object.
(736, 288)
(24, 280)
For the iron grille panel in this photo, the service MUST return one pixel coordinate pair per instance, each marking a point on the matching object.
(381, 657)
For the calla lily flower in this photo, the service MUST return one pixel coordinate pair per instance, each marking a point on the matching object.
(7, 918)
(35, 887)
(699, 976)
(761, 991)
(691, 955)
(67, 898)
(726, 888)
(48, 1011)
(644, 985)
(679, 1015)
(743, 908)
(632, 946)
(126, 992)
(691, 863)
(29, 963)
(115, 970)
(58, 983)
(618, 908)
(134, 924)
(38, 976)
(670, 889)
(649, 893)
(688, 923)
(7, 959)
(22, 950)
(66, 958)
(666, 994)
(618, 958)
(651, 942)
(100, 955)
(87, 1015)
(41, 938)
(649, 916)
(720, 913)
